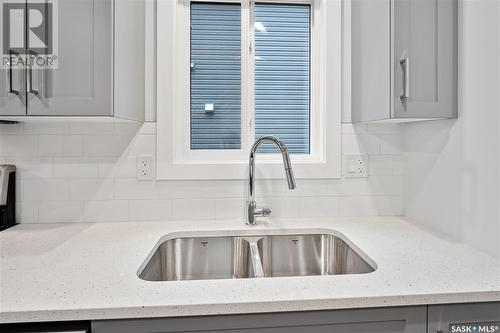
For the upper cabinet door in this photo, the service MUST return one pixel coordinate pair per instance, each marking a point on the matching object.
(425, 58)
(81, 82)
(12, 74)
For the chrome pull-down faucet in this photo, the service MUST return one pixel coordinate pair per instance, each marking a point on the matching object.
(253, 210)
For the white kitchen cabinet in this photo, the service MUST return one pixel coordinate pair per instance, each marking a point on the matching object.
(100, 70)
(12, 81)
(404, 60)
(82, 83)
(12, 99)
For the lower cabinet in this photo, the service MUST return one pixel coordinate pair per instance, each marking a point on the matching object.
(471, 317)
(448, 318)
(379, 320)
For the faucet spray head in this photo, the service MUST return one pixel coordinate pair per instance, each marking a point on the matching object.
(288, 171)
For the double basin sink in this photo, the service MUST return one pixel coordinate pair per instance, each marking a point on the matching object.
(235, 257)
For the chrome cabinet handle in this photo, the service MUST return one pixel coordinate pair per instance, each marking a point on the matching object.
(405, 65)
(11, 89)
(29, 77)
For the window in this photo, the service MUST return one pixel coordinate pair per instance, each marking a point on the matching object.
(281, 74)
(282, 80)
(215, 76)
(232, 71)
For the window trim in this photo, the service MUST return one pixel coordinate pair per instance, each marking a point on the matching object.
(177, 161)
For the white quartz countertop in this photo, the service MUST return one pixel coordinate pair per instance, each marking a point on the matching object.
(52, 272)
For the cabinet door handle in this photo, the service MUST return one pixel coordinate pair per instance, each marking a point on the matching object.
(405, 65)
(11, 76)
(29, 75)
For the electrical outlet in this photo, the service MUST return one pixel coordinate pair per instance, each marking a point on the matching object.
(144, 168)
(355, 165)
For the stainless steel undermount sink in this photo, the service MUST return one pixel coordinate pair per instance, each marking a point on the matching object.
(234, 257)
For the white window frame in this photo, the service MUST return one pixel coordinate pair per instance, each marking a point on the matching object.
(175, 159)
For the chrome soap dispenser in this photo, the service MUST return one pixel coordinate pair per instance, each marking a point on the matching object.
(7, 196)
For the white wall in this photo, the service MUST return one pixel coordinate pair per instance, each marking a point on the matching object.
(452, 182)
(85, 172)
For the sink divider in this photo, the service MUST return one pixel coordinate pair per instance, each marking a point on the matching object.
(255, 256)
(257, 263)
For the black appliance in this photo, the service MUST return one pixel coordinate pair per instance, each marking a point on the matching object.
(69, 327)
(7, 196)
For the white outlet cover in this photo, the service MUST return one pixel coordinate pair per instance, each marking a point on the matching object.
(355, 165)
(144, 167)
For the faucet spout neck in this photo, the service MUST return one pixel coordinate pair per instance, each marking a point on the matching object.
(252, 212)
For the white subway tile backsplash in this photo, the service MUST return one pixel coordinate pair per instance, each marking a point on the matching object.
(358, 206)
(60, 145)
(279, 188)
(46, 127)
(319, 206)
(91, 189)
(208, 189)
(91, 127)
(350, 187)
(390, 206)
(143, 145)
(193, 209)
(18, 145)
(86, 171)
(33, 167)
(380, 165)
(106, 211)
(386, 185)
(281, 207)
(60, 211)
(118, 167)
(150, 210)
(27, 211)
(391, 144)
(397, 165)
(359, 144)
(232, 208)
(106, 145)
(45, 189)
(75, 168)
(132, 189)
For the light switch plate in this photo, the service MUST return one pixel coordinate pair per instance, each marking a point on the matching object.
(355, 165)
